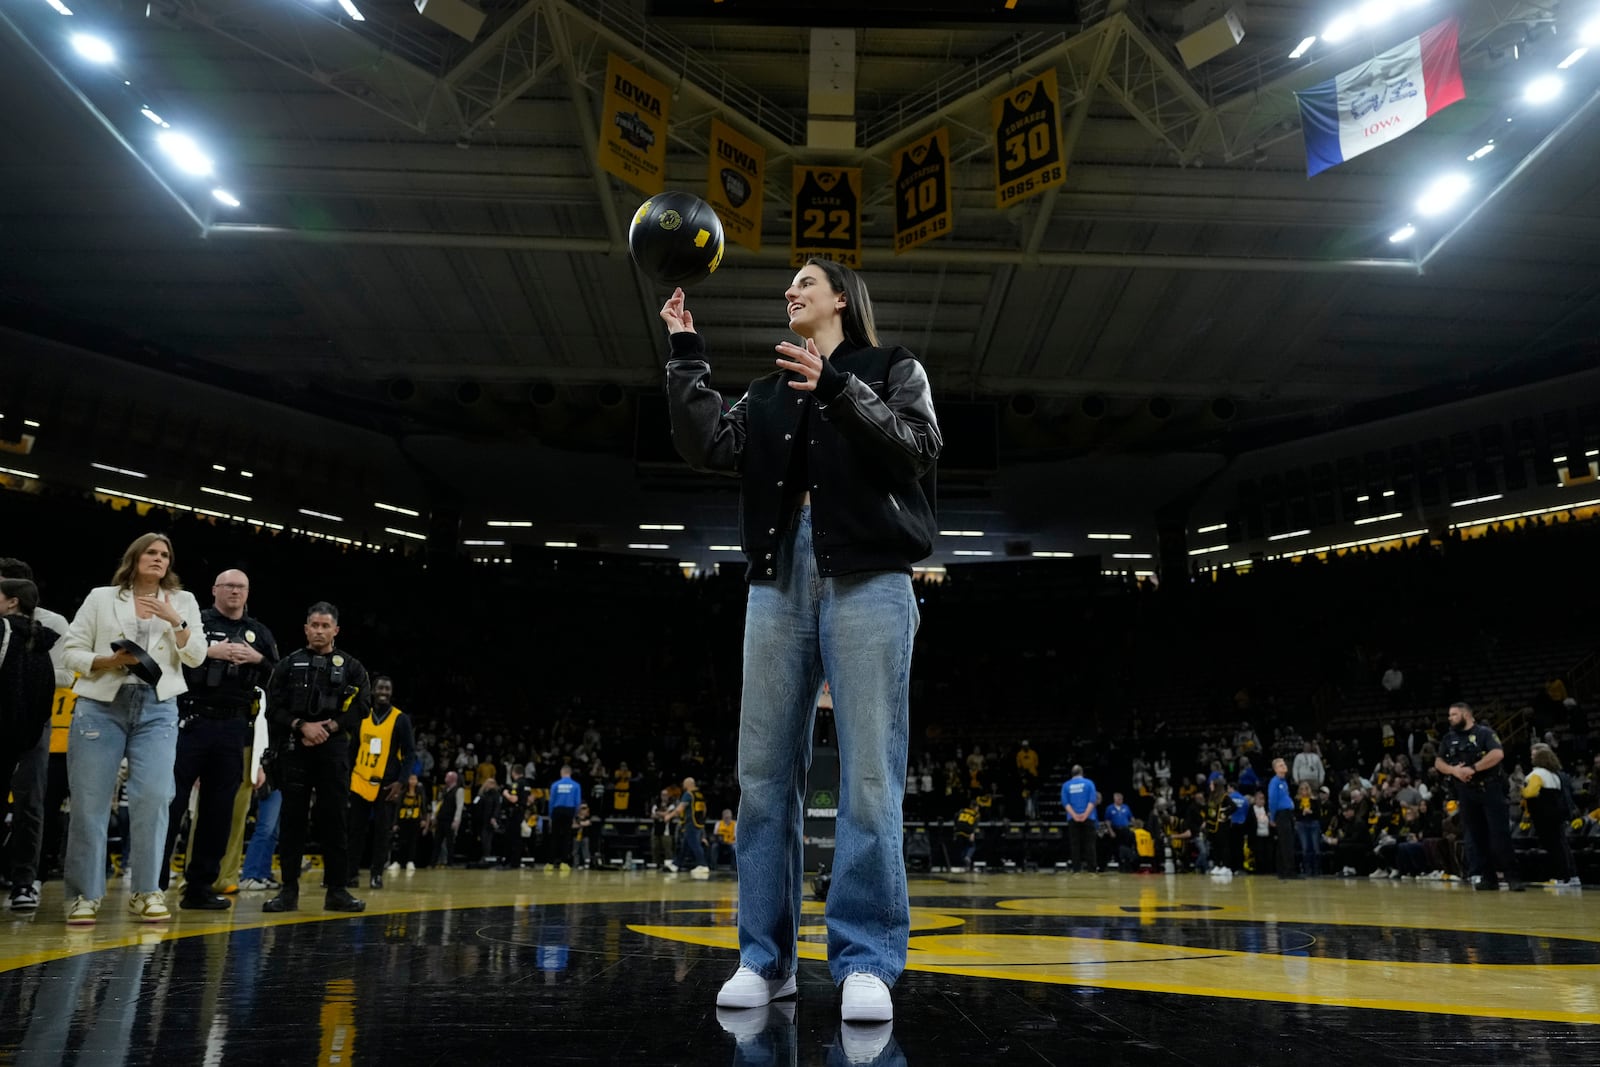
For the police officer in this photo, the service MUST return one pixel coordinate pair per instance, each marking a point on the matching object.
(216, 719)
(1472, 755)
(316, 700)
(383, 757)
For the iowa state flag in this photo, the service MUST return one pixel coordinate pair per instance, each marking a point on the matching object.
(1384, 98)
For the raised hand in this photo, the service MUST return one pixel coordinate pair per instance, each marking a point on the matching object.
(675, 315)
(806, 362)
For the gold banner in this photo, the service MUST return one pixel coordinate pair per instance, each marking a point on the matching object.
(633, 127)
(1027, 141)
(736, 172)
(922, 190)
(827, 215)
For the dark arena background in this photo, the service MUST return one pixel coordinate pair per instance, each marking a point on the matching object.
(1239, 463)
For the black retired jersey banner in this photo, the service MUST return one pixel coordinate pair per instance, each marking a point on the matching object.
(827, 215)
(633, 127)
(1027, 141)
(922, 190)
(738, 169)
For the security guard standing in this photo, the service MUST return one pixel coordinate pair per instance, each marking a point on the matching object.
(383, 756)
(216, 717)
(1472, 755)
(316, 699)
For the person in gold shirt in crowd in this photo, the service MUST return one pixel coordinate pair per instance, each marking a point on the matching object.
(413, 805)
(1028, 776)
(722, 838)
(621, 788)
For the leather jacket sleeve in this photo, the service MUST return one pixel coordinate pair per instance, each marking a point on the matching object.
(899, 429)
(706, 436)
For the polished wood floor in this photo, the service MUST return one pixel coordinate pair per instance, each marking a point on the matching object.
(601, 967)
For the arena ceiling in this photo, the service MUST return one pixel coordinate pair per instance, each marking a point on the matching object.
(425, 245)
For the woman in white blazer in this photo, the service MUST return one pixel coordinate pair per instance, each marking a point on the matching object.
(121, 715)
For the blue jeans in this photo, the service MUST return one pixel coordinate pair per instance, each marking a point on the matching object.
(1309, 845)
(145, 731)
(258, 856)
(855, 631)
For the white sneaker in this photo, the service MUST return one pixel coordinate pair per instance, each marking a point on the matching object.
(701, 871)
(864, 1042)
(1575, 882)
(149, 907)
(747, 989)
(411, 866)
(395, 866)
(256, 885)
(865, 999)
(669, 865)
(82, 911)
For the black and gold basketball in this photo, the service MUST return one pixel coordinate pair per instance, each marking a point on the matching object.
(675, 238)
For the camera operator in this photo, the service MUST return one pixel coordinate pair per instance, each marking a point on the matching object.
(316, 699)
(215, 720)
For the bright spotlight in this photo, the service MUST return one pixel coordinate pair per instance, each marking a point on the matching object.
(1339, 29)
(351, 10)
(1443, 194)
(1575, 55)
(1375, 12)
(1589, 36)
(59, 6)
(157, 119)
(1480, 153)
(1542, 90)
(225, 197)
(1303, 47)
(1404, 233)
(185, 153)
(94, 49)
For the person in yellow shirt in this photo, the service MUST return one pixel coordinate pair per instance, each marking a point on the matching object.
(722, 838)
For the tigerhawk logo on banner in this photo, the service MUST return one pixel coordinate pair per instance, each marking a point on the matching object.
(737, 171)
(922, 190)
(827, 215)
(633, 127)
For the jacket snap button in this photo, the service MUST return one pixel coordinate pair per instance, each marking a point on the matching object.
(769, 555)
(788, 436)
(770, 531)
(769, 570)
(780, 483)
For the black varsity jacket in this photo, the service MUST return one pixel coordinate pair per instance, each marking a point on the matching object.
(871, 442)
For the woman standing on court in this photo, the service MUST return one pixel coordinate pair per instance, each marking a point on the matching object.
(835, 454)
(125, 710)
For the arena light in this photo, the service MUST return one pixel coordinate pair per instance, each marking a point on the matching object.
(1303, 47)
(246, 474)
(123, 494)
(1363, 497)
(1053, 555)
(672, 527)
(222, 196)
(94, 49)
(1213, 528)
(1572, 57)
(224, 492)
(1131, 555)
(724, 548)
(18, 474)
(1480, 153)
(350, 9)
(1589, 36)
(1468, 523)
(1445, 193)
(648, 547)
(157, 119)
(1376, 12)
(972, 552)
(397, 509)
(960, 533)
(1379, 518)
(1388, 492)
(59, 6)
(519, 523)
(484, 544)
(1404, 233)
(1110, 537)
(412, 534)
(1476, 500)
(118, 470)
(30, 422)
(1339, 29)
(1286, 536)
(1543, 89)
(561, 544)
(185, 153)
(1203, 551)
(320, 515)
(219, 467)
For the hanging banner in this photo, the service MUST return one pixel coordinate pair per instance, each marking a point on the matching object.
(827, 215)
(633, 127)
(737, 170)
(1027, 141)
(922, 190)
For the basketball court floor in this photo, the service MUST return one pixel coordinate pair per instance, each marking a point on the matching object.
(489, 967)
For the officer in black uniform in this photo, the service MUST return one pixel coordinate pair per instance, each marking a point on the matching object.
(316, 700)
(1472, 755)
(217, 718)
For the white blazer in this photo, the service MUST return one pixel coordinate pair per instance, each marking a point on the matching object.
(107, 615)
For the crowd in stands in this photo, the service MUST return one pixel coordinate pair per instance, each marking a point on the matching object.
(1176, 697)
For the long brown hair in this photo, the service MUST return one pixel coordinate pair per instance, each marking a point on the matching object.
(129, 566)
(1545, 756)
(860, 327)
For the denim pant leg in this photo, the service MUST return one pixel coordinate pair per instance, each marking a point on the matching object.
(782, 680)
(95, 747)
(152, 754)
(868, 622)
(258, 855)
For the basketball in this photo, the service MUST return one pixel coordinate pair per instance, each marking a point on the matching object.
(675, 238)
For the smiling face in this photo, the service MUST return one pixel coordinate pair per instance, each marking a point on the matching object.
(811, 303)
